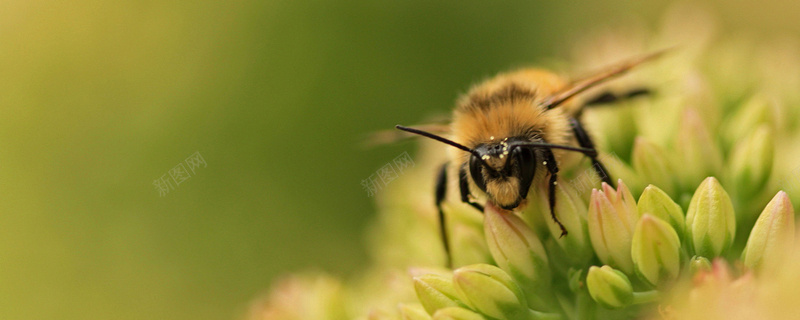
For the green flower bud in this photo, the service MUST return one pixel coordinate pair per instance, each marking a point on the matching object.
(751, 162)
(612, 218)
(697, 149)
(698, 264)
(435, 292)
(575, 279)
(755, 112)
(413, 312)
(656, 202)
(491, 291)
(772, 235)
(609, 287)
(655, 250)
(651, 161)
(517, 250)
(456, 313)
(710, 220)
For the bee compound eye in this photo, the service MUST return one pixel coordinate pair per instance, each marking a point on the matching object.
(526, 160)
(476, 171)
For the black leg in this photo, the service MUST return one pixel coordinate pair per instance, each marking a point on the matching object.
(552, 167)
(610, 97)
(441, 192)
(586, 142)
(463, 184)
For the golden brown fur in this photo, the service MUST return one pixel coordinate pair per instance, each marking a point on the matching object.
(506, 106)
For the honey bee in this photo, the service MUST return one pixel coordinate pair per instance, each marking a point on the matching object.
(511, 132)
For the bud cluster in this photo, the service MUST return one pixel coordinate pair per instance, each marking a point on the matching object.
(701, 189)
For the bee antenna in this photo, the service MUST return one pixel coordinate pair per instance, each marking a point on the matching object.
(444, 140)
(435, 137)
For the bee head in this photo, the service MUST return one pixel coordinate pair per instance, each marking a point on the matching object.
(504, 170)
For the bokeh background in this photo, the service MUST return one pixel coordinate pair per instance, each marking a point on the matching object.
(100, 98)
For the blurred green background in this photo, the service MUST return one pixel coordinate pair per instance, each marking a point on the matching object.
(100, 98)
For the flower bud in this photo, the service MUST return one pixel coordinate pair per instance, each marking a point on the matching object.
(710, 220)
(435, 292)
(306, 296)
(622, 199)
(696, 149)
(651, 161)
(412, 312)
(717, 294)
(752, 114)
(611, 224)
(517, 250)
(655, 250)
(609, 287)
(772, 235)
(456, 313)
(491, 291)
(657, 203)
(571, 211)
(699, 264)
(751, 162)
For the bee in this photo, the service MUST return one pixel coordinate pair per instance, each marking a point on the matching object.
(510, 133)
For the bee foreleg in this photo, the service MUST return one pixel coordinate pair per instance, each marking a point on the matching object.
(463, 185)
(441, 192)
(586, 142)
(552, 167)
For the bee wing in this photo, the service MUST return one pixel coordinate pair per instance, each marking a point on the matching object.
(582, 85)
(393, 135)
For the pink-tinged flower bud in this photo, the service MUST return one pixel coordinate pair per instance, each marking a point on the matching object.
(710, 220)
(772, 235)
(612, 218)
(307, 296)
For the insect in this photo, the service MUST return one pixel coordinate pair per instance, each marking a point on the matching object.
(512, 130)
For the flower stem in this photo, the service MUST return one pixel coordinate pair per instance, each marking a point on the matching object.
(537, 315)
(645, 297)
